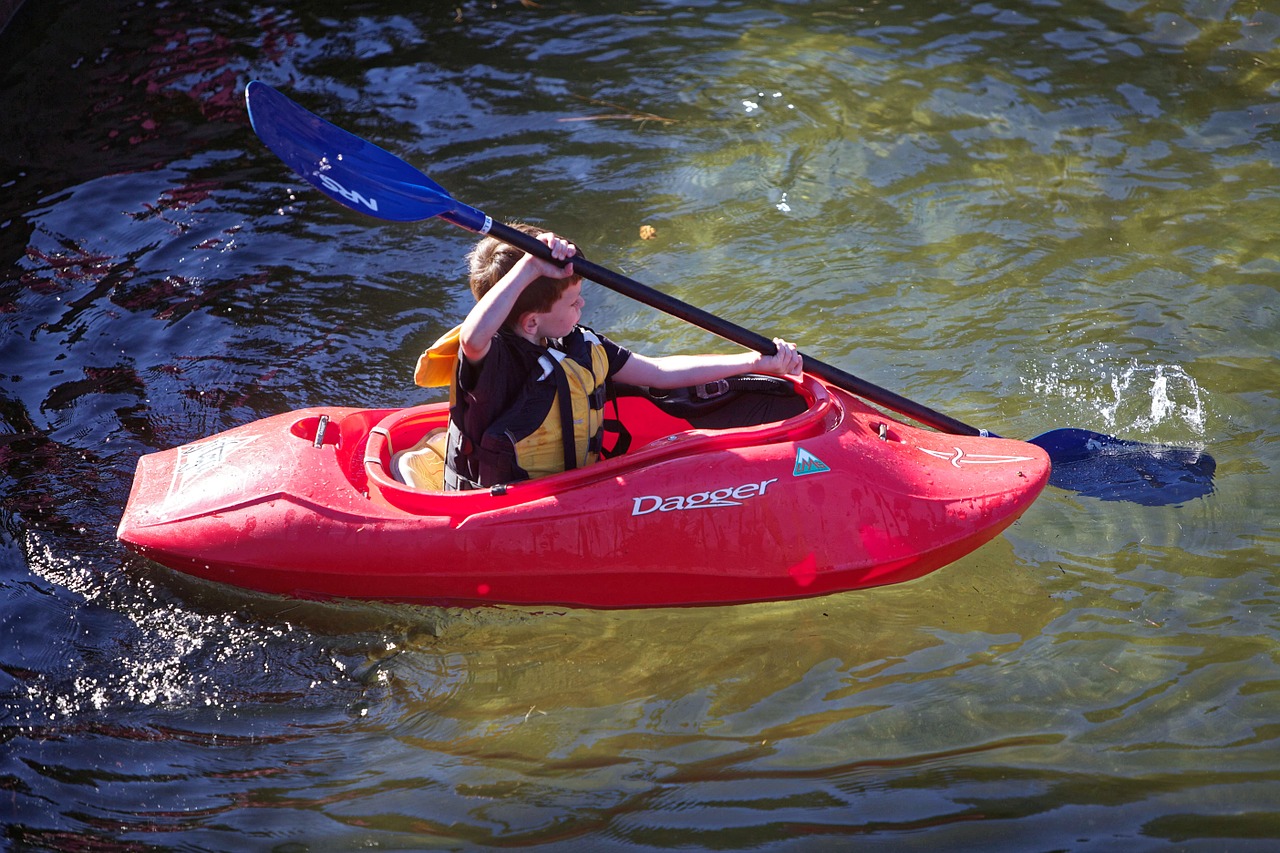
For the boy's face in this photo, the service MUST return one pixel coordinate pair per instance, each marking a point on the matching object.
(564, 314)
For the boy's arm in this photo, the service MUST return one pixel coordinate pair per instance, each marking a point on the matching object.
(678, 371)
(486, 318)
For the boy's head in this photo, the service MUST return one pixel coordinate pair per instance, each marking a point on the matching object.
(491, 259)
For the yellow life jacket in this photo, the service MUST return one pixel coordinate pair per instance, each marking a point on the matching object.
(544, 450)
(438, 366)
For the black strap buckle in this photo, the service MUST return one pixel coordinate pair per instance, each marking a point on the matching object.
(711, 390)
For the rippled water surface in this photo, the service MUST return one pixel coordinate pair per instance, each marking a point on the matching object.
(1024, 214)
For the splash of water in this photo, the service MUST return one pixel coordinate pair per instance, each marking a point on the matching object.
(1165, 392)
(1134, 398)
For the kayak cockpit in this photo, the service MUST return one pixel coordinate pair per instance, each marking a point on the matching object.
(749, 410)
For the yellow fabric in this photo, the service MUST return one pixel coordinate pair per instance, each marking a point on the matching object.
(437, 365)
(542, 452)
(422, 466)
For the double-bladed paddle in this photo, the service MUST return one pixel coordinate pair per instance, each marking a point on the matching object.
(364, 177)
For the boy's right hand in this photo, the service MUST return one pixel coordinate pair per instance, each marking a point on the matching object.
(492, 309)
(561, 249)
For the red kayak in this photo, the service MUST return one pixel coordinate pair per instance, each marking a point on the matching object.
(759, 489)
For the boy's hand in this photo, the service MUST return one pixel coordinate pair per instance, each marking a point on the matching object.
(492, 309)
(787, 361)
(561, 249)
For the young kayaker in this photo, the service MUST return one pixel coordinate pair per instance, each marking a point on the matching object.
(525, 367)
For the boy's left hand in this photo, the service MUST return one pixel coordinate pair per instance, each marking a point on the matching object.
(787, 361)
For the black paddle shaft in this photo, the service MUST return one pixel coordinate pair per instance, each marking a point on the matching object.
(731, 331)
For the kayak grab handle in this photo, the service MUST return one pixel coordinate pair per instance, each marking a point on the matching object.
(321, 426)
(313, 429)
(373, 450)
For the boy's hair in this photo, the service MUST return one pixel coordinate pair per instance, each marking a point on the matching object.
(491, 259)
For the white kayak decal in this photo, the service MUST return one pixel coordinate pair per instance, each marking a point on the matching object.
(729, 496)
(196, 460)
(958, 457)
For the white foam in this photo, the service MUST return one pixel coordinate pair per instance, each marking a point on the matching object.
(1131, 398)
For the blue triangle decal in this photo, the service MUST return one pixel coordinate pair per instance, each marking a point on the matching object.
(807, 463)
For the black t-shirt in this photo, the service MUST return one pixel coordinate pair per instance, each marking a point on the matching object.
(506, 369)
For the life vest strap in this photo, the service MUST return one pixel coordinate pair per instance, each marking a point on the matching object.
(567, 432)
(614, 425)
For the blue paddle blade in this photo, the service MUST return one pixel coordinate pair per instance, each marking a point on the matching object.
(1115, 469)
(348, 169)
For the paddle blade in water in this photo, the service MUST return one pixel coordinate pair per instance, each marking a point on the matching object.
(1115, 469)
(348, 169)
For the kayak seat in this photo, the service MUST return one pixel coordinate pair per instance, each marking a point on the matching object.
(422, 465)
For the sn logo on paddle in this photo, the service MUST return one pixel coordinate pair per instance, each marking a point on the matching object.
(350, 195)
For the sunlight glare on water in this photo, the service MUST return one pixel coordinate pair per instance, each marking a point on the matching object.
(167, 657)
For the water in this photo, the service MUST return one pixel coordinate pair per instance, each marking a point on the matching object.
(1027, 215)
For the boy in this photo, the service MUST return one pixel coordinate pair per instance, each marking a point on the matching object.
(526, 367)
